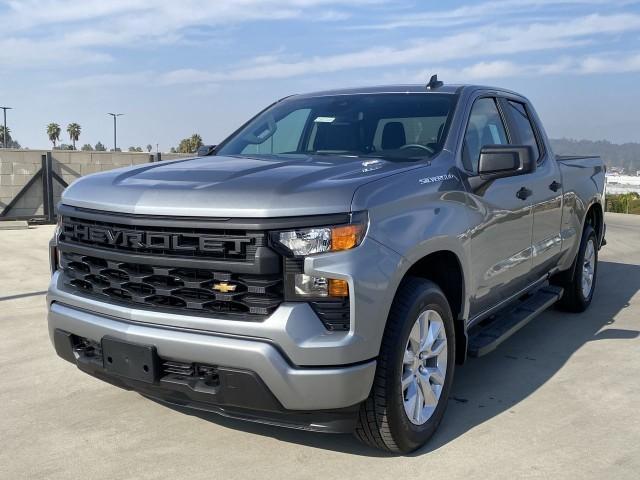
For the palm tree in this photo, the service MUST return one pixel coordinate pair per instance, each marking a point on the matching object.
(73, 129)
(53, 131)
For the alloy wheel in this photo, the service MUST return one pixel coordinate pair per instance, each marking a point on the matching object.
(424, 367)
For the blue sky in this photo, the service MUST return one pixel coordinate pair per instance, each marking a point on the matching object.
(178, 67)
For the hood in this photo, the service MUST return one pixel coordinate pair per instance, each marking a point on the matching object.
(232, 186)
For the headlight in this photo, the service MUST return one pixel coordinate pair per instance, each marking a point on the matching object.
(302, 242)
(310, 241)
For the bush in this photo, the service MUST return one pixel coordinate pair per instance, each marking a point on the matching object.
(624, 203)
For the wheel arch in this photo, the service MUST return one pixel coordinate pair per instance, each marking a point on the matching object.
(595, 217)
(445, 269)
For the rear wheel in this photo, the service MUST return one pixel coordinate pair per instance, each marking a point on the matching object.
(578, 291)
(415, 371)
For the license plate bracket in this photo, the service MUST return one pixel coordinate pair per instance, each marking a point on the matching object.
(130, 360)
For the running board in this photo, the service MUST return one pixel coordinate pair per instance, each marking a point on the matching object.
(486, 339)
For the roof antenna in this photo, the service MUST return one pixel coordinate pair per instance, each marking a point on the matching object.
(434, 83)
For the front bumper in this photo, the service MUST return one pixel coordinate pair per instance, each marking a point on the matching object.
(294, 327)
(293, 390)
(297, 363)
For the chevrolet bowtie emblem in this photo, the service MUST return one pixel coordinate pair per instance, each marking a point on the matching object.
(224, 287)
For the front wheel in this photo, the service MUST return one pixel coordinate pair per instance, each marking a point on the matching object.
(414, 373)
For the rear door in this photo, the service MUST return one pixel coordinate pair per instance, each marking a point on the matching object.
(545, 185)
(501, 222)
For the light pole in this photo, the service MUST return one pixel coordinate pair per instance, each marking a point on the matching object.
(115, 115)
(4, 137)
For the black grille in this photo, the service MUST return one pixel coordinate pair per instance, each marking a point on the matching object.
(207, 373)
(197, 291)
(334, 314)
(178, 368)
(220, 244)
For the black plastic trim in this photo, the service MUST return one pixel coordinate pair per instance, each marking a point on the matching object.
(237, 394)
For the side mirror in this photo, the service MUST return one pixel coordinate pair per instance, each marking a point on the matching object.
(205, 150)
(497, 161)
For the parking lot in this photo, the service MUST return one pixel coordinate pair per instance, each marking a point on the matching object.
(558, 400)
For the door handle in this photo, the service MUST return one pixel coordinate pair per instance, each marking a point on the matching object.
(524, 193)
(555, 186)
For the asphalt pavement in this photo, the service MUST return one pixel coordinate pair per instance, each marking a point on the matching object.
(560, 399)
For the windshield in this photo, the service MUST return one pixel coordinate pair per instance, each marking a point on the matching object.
(395, 126)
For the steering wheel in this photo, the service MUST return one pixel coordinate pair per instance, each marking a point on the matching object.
(417, 145)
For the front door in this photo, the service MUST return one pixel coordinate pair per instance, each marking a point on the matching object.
(501, 219)
(546, 190)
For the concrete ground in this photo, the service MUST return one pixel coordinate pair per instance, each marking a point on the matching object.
(558, 400)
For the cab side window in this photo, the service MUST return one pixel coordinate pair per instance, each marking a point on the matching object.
(485, 127)
(522, 124)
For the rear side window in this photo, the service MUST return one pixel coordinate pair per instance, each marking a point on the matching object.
(522, 124)
(485, 127)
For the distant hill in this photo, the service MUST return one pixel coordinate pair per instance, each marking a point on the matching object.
(626, 155)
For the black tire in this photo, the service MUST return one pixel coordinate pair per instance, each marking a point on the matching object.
(382, 421)
(573, 299)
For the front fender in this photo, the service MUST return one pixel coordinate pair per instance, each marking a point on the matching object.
(418, 213)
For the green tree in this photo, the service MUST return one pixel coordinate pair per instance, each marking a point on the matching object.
(191, 144)
(149, 148)
(184, 146)
(135, 149)
(73, 129)
(11, 143)
(623, 203)
(64, 146)
(100, 147)
(196, 142)
(53, 132)
(87, 147)
(3, 133)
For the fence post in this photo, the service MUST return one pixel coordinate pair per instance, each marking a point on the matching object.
(47, 188)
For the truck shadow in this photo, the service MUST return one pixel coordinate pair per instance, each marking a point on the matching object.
(497, 383)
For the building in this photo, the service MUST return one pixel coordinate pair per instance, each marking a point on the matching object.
(617, 184)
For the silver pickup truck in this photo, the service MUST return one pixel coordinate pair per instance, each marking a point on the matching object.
(328, 265)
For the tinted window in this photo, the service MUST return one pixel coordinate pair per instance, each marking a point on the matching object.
(391, 126)
(523, 127)
(417, 130)
(485, 127)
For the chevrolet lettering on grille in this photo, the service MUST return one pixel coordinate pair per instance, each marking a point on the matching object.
(179, 242)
